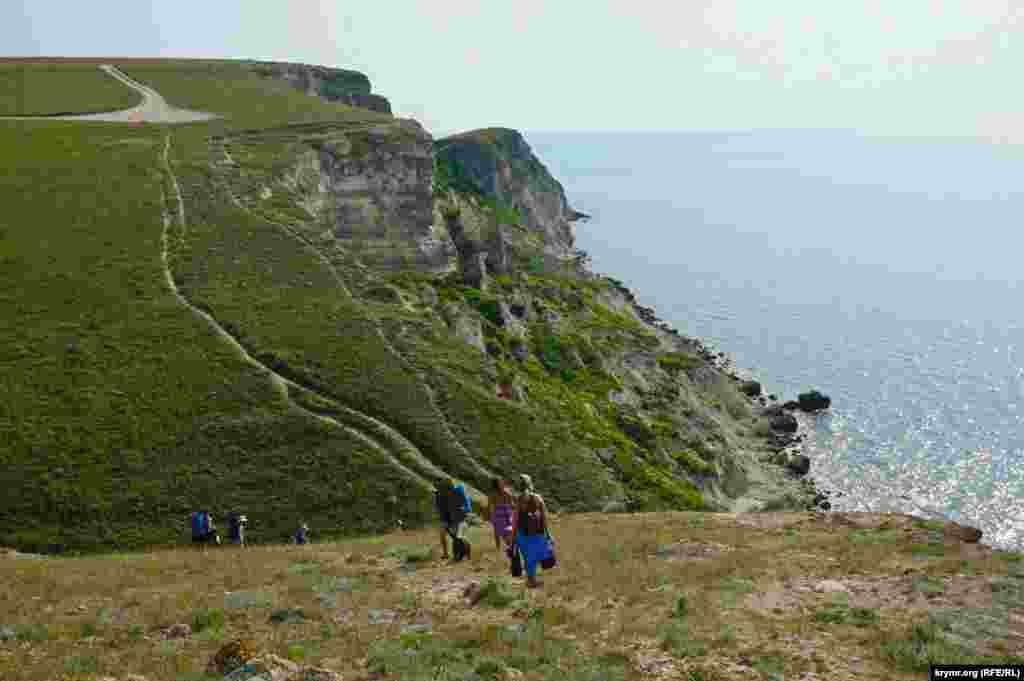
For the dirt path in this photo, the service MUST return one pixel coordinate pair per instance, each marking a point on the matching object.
(412, 455)
(283, 385)
(152, 109)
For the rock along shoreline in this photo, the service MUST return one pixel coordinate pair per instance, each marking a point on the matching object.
(788, 433)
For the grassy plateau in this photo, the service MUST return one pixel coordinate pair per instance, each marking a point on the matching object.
(34, 89)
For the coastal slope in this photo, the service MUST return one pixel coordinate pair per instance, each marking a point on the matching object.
(421, 301)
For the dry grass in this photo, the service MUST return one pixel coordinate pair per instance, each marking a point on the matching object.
(630, 588)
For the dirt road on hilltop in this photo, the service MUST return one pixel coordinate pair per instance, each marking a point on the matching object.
(152, 109)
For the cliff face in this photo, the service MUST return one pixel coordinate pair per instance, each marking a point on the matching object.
(478, 239)
(374, 186)
(497, 163)
(333, 85)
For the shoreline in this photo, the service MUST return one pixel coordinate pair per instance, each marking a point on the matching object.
(773, 482)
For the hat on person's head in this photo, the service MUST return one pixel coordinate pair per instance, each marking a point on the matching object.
(525, 482)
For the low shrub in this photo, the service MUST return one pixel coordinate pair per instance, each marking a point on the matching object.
(207, 619)
(496, 592)
(692, 462)
(676, 362)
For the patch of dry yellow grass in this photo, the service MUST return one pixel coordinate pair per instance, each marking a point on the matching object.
(750, 598)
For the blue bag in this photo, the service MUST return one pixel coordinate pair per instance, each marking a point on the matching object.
(200, 523)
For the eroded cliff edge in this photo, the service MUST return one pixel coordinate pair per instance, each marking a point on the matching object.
(538, 365)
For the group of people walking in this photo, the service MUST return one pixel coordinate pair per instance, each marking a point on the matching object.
(519, 519)
(204, 531)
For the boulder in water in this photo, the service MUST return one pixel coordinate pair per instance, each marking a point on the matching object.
(813, 401)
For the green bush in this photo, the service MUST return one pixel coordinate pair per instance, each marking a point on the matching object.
(923, 644)
(496, 592)
(484, 303)
(31, 632)
(504, 215)
(207, 619)
(81, 664)
(676, 640)
(676, 362)
(682, 607)
(693, 463)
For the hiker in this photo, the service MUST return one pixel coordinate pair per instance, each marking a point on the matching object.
(453, 505)
(300, 534)
(529, 526)
(203, 529)
(236, 528)
(501, 507)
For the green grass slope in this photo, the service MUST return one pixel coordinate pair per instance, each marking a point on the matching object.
(48, 89)
(240, 359)
(123, 411)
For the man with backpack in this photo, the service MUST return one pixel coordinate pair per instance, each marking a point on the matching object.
(453, 505)
(203, 530)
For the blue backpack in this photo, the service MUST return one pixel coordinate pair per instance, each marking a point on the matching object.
(200, 523)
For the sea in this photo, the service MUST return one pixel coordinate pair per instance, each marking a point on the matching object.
(885, 272)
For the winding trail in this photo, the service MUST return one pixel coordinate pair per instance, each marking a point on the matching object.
(374, 433)
(410, 453)
(282, 384)
(152, 109)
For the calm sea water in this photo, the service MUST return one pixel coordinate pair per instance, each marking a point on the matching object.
(885, 272)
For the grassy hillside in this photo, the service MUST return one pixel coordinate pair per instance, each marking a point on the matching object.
(125, 410)
(656, 597)
(182, 330)
(128, 411)
(31, 89)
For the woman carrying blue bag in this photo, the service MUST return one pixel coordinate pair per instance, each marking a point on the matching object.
(529, 527)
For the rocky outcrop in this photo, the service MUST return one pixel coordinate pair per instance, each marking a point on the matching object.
(464, 324)
(784, 422)
(499, 164)
(373, 187)
(333, 85)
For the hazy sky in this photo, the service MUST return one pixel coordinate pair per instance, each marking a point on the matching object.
(934, 67)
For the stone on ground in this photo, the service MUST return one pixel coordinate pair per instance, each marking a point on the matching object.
(178, 631)
(829, 586)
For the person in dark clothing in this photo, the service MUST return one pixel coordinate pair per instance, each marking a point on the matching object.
(453, 505)
(301, 534)
(236, 528)
(530, 529)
